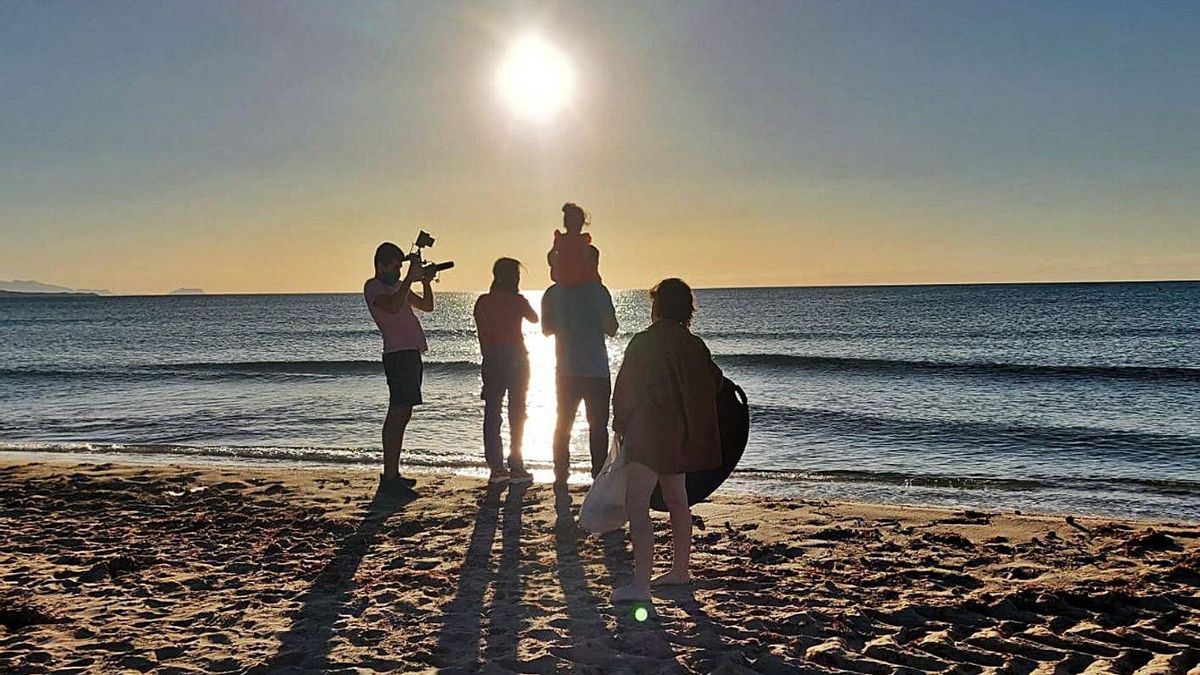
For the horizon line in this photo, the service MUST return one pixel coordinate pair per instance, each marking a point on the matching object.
(929, 284)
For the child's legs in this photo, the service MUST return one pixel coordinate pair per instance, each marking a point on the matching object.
(674, 491)
(639, 485)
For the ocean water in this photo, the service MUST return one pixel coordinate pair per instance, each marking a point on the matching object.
(1060, 398)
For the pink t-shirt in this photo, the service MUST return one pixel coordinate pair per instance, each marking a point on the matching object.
(400, 329)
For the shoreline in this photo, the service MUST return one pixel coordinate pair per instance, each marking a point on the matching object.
(248, 569)
(784, 484)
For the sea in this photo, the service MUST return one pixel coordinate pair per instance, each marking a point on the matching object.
(1052, 398)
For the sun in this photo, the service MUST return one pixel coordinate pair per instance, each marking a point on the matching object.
(535, 78)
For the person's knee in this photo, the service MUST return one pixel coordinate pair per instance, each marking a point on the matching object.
(562, 429)
(640, 521)
(639, 484)
(637, 506)
(597, 418)
(565, 417)
(674, 491)
(562, 436)
(676, 501)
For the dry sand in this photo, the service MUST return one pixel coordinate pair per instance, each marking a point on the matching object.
(185, 569)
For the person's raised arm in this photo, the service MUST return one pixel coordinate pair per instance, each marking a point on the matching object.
(392, 301)
(424, 301)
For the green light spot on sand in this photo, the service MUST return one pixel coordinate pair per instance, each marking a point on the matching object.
(641, 614)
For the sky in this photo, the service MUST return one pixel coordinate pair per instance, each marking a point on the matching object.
(270, 146)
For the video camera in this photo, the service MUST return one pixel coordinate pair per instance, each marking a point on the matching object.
(425, 240)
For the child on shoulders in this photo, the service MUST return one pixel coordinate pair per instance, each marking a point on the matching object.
(571, 262)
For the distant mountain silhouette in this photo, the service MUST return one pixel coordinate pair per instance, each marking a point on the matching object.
(187, 291)
(30, 286)
(26, 294)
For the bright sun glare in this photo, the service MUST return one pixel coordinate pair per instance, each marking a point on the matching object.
(535, 78)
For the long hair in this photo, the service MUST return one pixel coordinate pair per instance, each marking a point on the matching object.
(506, 275)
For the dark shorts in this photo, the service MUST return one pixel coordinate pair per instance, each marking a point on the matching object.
(404, 372)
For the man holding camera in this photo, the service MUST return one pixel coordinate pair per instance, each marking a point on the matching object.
(391, 301)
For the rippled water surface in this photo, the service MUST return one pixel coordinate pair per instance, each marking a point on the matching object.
(1063, 397)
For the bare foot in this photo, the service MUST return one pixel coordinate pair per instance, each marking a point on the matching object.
(672, 578)
(630, 593)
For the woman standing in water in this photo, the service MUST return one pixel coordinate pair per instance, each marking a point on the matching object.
(498, 316)
(665, 409)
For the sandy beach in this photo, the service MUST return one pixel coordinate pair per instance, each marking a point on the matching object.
(108, 568)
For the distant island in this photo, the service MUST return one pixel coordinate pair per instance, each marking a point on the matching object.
(28, 286)
(42, 294)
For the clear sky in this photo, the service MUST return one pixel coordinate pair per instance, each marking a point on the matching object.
(269, 146)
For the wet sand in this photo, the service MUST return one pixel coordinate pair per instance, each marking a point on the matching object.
(109, 568)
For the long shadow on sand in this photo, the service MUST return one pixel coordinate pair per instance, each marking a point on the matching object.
(640, 645)
(508, 613)
(306, 645)
(587, 630)
(461, 638)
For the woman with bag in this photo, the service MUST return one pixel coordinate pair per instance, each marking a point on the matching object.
(665, 410)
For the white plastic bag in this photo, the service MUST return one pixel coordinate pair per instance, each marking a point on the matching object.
(603, 508)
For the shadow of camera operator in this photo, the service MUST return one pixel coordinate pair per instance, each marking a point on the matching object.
(305, 646)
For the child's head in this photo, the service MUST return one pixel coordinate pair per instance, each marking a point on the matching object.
(506, 274)
(574, 218)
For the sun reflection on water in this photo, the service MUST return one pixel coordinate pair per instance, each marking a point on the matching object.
(541, 400)
(541, 403)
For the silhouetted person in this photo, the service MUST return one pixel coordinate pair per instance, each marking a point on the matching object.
(665, 409)
(571, 261)
(391, 301)
(579, 318)
(498, 316)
